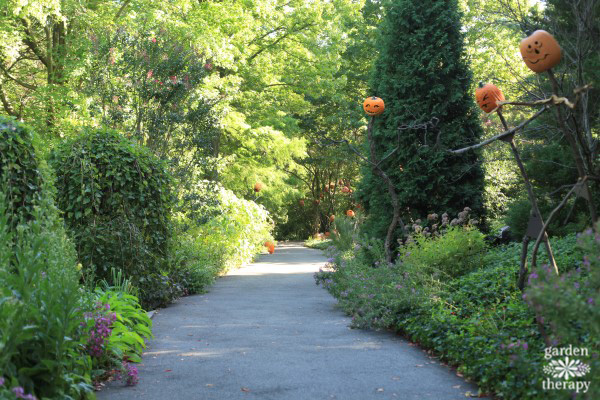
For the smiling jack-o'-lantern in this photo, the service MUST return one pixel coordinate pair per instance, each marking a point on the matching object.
(540, 51)
(373, 106)
(487, 95)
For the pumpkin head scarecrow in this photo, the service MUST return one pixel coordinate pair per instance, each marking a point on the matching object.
(373, 106)
(540, 51)
(487, 96)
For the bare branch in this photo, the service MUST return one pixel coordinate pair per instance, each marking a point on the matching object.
(125, 4)
(580, 184)
(7, 107)
(501, 135)
(30, 42)
(18, 81)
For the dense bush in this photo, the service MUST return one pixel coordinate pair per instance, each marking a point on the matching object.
(233, 234)
(568, 305)
(458, 251)
(476, 321)
(40, 311)
(19, 169)
(116, 198)
(418, 83)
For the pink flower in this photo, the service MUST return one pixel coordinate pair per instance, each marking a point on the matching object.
(173, 79)
(208, 66)
(153, 40)
(149, 74)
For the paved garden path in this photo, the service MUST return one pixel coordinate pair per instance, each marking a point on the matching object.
(267, 331)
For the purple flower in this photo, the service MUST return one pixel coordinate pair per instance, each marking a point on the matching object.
(132, 374)
(330, 260)
(525, 345)
(590, 301)
(18, 391)
(1, 380)
(576, 284)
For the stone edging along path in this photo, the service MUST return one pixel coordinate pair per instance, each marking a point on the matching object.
(266, 331)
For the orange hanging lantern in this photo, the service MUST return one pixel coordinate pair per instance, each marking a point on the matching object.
(350, 213)
(332, 218)
(488, 96)
(373, 106)
(345, 189)
(540, 51)
(258, 187)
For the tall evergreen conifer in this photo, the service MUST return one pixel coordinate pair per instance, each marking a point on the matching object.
(421, 73)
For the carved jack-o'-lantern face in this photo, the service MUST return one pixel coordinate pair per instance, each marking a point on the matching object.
(487, 95)
(373, 106)
(540, 51)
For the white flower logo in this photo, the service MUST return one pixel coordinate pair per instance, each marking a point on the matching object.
(566, 369)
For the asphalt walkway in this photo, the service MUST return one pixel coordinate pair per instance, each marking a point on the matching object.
(267, 331)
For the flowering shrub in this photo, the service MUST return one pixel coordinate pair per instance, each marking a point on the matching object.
(234, 234)
(115, 333)
(16, 392)
(99, 324)
(475, 320)
(567, 304)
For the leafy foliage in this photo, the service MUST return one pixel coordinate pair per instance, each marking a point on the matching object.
(236, 232)
(477, 321)
(457, 252)
(40, 311)
(19, 170)
(116, 199)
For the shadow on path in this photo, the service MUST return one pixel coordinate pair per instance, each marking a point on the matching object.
(266, 331)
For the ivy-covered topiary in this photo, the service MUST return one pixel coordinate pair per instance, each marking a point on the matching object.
(19, 169)
(116, 198)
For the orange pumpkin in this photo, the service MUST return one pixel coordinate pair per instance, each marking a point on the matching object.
(487, 96)
(373, 106)
(350, 213)
(332, 218)
(540, 51)
(257, 187)
(270, 246)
